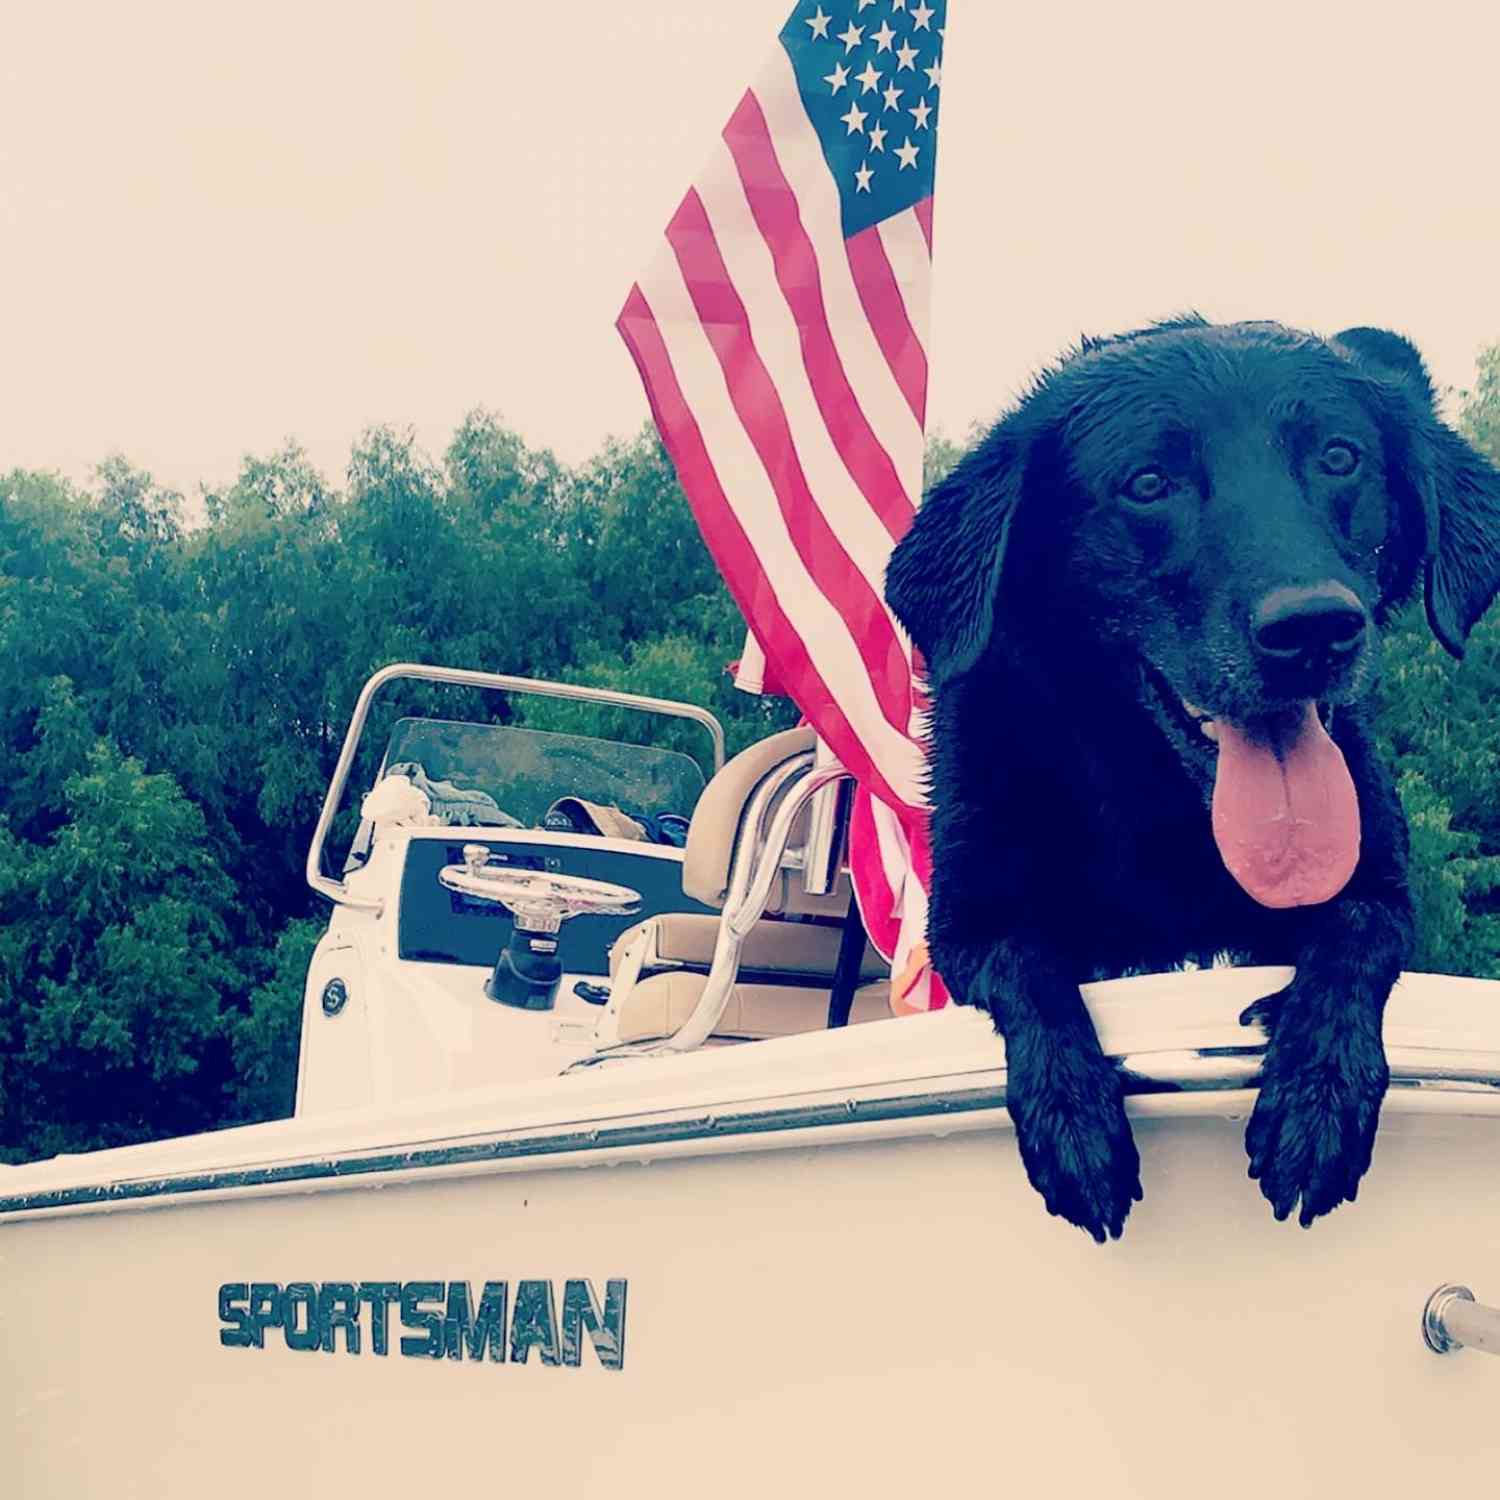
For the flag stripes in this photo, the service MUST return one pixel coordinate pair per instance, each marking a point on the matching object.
(885, 307)
(756, 397)
(781, 335)
(800, 157)
(806, 377)
(773, 206)
(742, 522)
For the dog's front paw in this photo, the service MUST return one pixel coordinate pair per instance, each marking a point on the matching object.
(1312, 1134)
(1264, 1012)
(1069, 1113)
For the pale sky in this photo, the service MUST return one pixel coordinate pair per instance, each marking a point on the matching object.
(224, 224)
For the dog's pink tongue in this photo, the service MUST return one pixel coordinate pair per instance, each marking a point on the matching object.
(1286, 816)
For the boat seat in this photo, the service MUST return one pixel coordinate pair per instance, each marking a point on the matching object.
(775, 948)
(655, 1008)
(715, 829)
(785, 978)
(659, 967)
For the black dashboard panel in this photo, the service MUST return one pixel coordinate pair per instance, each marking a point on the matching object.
(442, 926)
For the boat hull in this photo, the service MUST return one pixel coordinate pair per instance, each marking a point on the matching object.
(882, 1316)
(786, 1268)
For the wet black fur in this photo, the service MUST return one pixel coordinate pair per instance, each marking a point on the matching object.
(1061, 622)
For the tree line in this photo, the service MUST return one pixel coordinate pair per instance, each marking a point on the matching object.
(174, 692)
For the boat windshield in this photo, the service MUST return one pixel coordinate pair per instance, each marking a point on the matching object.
(524, 772)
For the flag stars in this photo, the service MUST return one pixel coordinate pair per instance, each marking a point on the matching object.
(862, 45)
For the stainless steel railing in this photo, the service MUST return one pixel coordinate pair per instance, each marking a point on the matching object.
(758, 861)
(1453, 1320)
(760, 858)
(336, 890)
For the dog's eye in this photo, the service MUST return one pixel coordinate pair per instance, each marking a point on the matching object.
(1147, 487)
(1340, 459)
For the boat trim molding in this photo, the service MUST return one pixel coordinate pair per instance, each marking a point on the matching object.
(1212, 1081)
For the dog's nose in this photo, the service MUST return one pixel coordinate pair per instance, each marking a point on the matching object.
(1308, 627)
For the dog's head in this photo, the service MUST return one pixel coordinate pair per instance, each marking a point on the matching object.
(1230, 511)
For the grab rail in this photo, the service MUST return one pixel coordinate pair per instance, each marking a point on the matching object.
(760, 855)
(757, 863)
(335, 890)
(1453, 1320)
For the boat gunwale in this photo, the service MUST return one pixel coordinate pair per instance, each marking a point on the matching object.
(1159, 1083)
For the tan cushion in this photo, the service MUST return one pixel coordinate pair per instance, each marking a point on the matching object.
(790, 898)
(716, 818)
(716, 824)
(659, 1006)
(787, 947)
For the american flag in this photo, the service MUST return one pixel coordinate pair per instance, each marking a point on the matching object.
(781, 334)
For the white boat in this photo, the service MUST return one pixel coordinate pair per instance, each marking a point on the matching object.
(654, 1227)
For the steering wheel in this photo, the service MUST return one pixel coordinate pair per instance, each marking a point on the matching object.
(540, 900)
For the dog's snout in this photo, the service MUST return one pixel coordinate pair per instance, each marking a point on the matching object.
(1308, 627)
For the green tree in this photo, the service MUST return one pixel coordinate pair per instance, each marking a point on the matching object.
(115, 960)
(264, 1039)
(1438, 723)
(1480, 419)
(271, 621)
(939, 456)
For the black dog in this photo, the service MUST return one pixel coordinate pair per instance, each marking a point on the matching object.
(1147, 604)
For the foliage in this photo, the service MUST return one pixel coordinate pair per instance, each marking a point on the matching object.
(1480, 418)
(114, 960)
(939, 456)
(265, 1037)
(1439, 729)
(173, 698)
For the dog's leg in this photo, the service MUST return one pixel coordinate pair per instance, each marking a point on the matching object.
(1312, 1134)
(996, 942)
(1064, 1096)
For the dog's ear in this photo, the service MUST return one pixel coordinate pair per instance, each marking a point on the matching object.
(1458, 488)
(1462, 492)
(944, 575)
(1382, 353)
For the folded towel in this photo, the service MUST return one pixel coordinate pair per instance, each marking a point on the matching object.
(453, 806)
